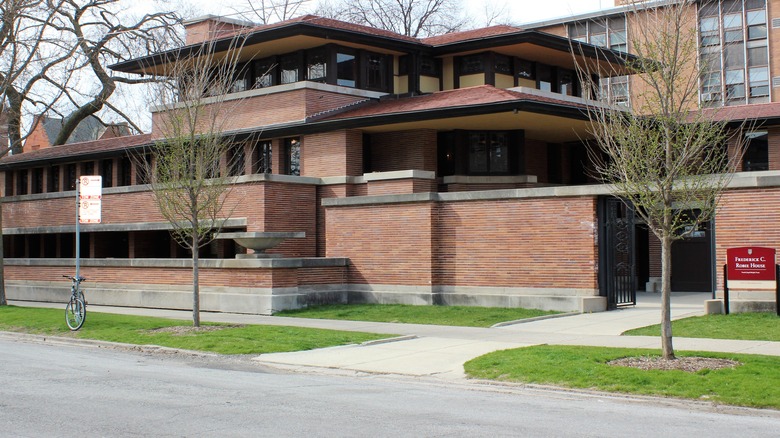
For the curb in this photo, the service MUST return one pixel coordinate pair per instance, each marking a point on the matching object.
(534, 319)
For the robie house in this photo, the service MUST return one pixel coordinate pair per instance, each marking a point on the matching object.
(446, 170)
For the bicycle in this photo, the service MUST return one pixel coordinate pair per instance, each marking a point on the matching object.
(76, 310)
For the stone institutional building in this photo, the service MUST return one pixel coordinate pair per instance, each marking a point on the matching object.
(443, 170)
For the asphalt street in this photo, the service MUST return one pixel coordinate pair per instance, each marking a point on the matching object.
(59, 389)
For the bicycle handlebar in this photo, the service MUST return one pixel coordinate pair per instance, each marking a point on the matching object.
(76, 279)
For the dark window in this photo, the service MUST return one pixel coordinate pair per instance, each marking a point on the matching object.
(290, 66)
(9, 183)
(346, 69)
(757, 154)
(403, 65)
(53, 182)
(141, 174)
(488, 153)
(503, 64)
(525, 69)
(235, 160)
(107, 172)
(264, 73)
(292, 156)
(472, 64)
(566, 83)
(88, 168)
(21, 187)
(430, 66)
(316, 65)
(124, 172)
(261, 157)
(70, 176)
(37, 180)
(544, 77)
(375, 72)
(554, 164)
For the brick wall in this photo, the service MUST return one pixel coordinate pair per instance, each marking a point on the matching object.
(386, 244)
(538, 243)
(267, 206)
(748, 217)
(405, 150)
(338, 153)
(401, 186)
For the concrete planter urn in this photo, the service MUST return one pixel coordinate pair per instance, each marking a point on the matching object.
(259, 242)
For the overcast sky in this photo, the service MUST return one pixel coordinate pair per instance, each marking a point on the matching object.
(521, 11)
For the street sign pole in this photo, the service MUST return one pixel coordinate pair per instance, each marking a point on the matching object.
(89, 194)
(78, 227)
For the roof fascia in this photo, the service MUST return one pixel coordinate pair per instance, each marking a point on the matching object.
(542, 39)
(264, 35)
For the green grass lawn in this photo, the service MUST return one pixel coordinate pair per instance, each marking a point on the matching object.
(436, 315)
(745, 326)
(247, 339)
(755, 383)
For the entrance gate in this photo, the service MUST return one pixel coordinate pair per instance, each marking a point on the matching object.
(617, 259)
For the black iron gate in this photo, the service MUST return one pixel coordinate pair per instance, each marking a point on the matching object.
(617, 258)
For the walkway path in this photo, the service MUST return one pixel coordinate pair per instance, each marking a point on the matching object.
(441, 351)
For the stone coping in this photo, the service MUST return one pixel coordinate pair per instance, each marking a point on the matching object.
(133, 226)
(512, 179)
(276, 263)
(741, 180)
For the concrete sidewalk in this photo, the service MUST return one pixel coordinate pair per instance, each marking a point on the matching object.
(441, 351)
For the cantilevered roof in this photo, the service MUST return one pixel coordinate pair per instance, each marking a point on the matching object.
(84, 150)
(311, 31)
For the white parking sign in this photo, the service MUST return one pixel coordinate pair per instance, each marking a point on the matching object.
(90, 197)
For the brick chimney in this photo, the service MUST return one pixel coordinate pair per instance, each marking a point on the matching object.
(210, 27)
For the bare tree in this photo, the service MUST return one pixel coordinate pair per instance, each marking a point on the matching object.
(414, 18)
(50, 48)
(666, 158)
(189, 166)
(272, 11)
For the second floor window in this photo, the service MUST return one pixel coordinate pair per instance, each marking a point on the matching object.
(292, 156)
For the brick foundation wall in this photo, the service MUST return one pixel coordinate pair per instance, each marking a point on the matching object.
(534, 243)
(386, 244)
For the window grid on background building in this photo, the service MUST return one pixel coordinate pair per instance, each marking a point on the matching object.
(734, 53)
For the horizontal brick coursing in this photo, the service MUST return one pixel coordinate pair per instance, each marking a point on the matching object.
(387, 244)
(338, 153)
(267, 206)
(539, 243)
(256, 111)
(401, 186)
(746, 218)
(244, 278)
(404, 150)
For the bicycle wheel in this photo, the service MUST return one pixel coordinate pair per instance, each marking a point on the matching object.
(75, 313)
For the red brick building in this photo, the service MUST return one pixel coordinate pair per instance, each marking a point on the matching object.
(446, 170)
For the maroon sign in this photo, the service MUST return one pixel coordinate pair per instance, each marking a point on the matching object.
(751, 263)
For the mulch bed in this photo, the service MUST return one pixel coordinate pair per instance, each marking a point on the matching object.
(688, 364)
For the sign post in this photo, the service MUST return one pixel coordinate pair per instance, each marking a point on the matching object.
(89, 195)
(750, 268)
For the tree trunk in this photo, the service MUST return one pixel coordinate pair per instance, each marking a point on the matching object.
(195, 282)
(666, 294)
